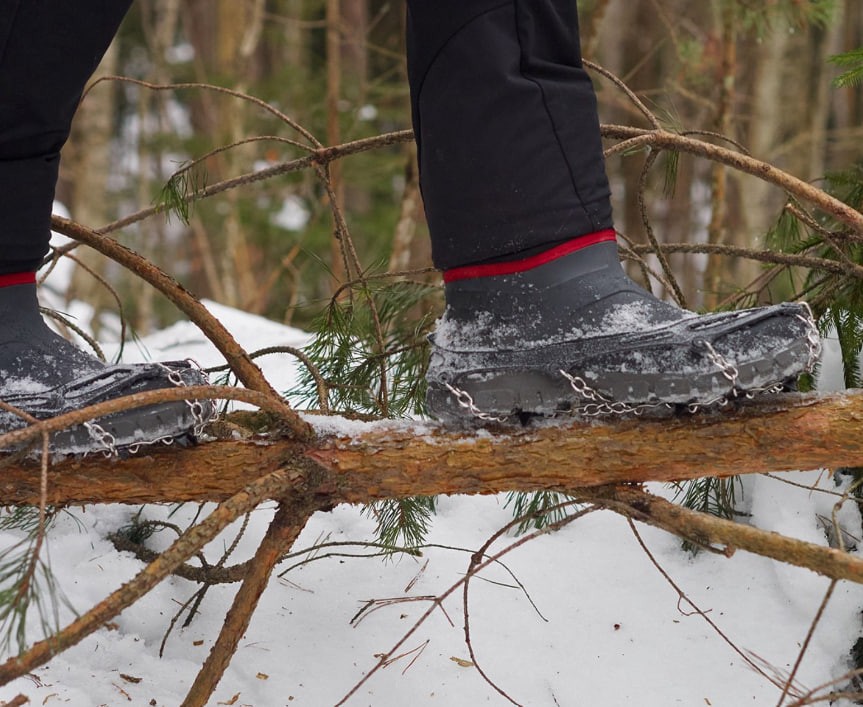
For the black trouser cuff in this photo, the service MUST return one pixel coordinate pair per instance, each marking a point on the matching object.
(506, 123)
(26, 199)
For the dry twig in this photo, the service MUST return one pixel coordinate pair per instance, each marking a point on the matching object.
(273, 484)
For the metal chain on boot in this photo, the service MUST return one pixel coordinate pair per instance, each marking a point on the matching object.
(108, 442)
(813, 340)
(726, 368)
(601, 406)
(464, 399)
(596, 404)
(101, 436)
(195, 406)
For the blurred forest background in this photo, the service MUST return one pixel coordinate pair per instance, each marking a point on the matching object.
(755, 71)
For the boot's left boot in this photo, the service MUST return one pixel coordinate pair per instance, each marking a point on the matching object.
(44, 375)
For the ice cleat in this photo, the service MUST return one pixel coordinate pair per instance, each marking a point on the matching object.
(121, 432)
(43, 375)
(577, 336)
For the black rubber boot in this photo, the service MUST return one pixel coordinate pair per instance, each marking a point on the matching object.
(577, 335)
(44, 375)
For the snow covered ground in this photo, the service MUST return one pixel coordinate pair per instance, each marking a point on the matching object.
(596, 624)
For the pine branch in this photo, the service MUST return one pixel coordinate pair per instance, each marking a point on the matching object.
(852, 62)
(539, 509)
(402, 523)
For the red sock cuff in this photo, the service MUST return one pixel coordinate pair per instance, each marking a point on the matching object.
(18, 278)
(514, 266)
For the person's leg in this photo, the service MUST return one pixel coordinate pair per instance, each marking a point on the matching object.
(540, 316)
(507, 128)
(48, 50)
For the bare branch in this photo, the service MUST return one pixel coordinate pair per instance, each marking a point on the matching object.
(179, 551)
(187, 303)
(763, 170)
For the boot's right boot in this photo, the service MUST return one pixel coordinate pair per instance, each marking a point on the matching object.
(577, 335)
(44, 375)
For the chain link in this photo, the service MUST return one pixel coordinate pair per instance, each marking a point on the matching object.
(195, 406)
(108, 442)
(726, 368)
(813, 340)
(464, 399)
(101, 436)
(599, 405)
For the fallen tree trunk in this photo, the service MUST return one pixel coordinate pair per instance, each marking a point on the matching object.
(402, 459)
(590, 461)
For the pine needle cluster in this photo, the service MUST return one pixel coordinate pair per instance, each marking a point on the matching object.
(176, 196)
(852, 64)
(371, 350)
(539, 509)
(28, 588)
(836, 297)
(762, 17)
(402, 523)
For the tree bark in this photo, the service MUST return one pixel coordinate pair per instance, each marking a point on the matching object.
(589, 461)
(283, 531)
(707, 530)
(396, 459)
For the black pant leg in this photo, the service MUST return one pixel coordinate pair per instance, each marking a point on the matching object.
(48, 51)
(507, 128)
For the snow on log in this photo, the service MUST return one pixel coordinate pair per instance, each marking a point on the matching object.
(398, 459)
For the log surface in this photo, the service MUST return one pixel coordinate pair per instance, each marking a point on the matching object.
(398, 459)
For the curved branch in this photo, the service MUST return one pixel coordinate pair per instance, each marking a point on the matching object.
(765, 256)
(217, 89)
(710, 530)
(186, 302)
(763, 170)
(283, 531)
(320, 156)
(179, 551)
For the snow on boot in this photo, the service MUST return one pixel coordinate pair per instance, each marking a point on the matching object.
(577, 335)
(44, 375)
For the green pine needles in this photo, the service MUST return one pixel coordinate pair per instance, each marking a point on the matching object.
(371, 350)
(852, 65)
(178, 193)
(402, 523)
(763, 17)
(836, 296)
(28, 589)
(539, 509)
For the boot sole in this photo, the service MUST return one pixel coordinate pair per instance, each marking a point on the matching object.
(124, 432)
(507, 386)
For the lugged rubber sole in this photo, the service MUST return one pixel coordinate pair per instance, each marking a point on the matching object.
(676, 365)
(123, 432)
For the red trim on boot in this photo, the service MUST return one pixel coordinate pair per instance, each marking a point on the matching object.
(513, 266)
(18, 278)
